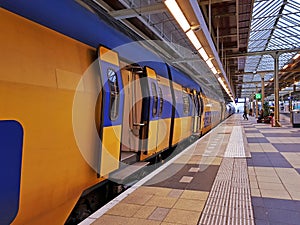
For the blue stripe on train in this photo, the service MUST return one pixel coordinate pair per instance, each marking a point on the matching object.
(11, 142)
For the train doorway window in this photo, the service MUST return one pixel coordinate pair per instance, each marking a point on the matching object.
(155, 100)
(186, 103)
(161, 102)
(114, 94)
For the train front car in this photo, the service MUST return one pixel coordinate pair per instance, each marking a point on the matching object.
(67, 95)
(40, 70)
(77, 109)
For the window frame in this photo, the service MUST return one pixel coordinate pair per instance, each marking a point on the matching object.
(114, 92)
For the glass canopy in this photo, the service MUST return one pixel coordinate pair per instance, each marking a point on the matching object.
(275, 25)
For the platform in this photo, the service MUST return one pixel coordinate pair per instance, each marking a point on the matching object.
(240, 173)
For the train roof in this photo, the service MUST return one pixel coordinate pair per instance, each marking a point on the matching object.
(71, 19)
(184, 80)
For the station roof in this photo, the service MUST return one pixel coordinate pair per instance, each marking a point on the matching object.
(275, 26)
(236, 35)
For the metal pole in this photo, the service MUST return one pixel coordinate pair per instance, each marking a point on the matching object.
(254, 108)
(256, 104)
(290, 101)
(218, 36)
(262, 89)
(209, 16)
(251, 104)
(276, 90)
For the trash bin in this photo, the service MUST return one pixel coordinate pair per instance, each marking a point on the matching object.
(296, 117)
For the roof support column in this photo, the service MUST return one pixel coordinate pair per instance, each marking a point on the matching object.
(262, 89)
(276, 89)
(256, 104)
(251, 103)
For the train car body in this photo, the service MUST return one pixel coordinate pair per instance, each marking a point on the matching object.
(72, 110)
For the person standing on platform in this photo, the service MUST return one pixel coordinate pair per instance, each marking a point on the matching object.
(245, 113)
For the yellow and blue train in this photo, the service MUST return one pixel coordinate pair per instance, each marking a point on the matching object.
(57, 140)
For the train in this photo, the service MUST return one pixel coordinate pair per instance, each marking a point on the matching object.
(76, 111)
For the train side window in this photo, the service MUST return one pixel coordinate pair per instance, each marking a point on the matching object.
(114, 94)
(161, 102)
(155, 99)
(186, 103)
(201, 105)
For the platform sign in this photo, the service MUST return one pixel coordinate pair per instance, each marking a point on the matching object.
(258, 96)
(240, 100)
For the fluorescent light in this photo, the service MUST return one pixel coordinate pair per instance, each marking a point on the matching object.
(203, 54)
(286, 66)
(177, 14)
(193, 38)
(224, 86)
(220, 80)
(214, 70)
(296, 56)
(209, 63)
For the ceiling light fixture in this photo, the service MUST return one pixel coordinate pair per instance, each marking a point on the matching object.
(296, 56)
(214, 70)
(177, 14)
(209, 63)
(203, 54)
(193, 38)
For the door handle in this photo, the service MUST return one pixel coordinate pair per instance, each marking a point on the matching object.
(138, 124)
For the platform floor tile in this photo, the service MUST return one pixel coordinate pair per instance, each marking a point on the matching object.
(124, 210)
(144, 212)
(292, 158)
(274, 176)
(160, 201)
(159, 214)
(157, 205)
(276, 211)
(171, 177)
(118, 220)
(285, 140)
(179, 216)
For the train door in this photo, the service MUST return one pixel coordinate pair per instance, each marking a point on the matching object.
(132, 121)
(151, 102)
(200, 111)
(111, 110)
(195, 113)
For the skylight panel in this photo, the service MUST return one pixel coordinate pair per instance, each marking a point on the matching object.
(251, 63)
(295, 17)
(248, 77)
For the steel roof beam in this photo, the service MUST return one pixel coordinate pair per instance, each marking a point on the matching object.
(252, 82)
(251, 73)
(134, 12)
(181, 60)
(214, 2)
(268, 52)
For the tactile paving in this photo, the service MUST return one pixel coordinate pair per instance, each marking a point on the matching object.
(235, 147)
(229, 202)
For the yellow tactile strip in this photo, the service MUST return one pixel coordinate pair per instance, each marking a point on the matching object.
(229, 201)
(155, 205)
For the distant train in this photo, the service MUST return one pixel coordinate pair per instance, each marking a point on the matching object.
(58, 141)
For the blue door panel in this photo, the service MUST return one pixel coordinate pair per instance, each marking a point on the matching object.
(11, 142)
